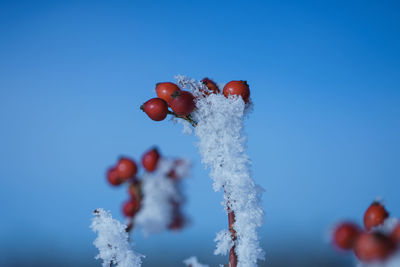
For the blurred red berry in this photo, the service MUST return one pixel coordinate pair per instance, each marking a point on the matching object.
(113, 177)
(375, 215)
(395, 235)
(126, 168)
(240, 88)
(371, 247)
(150, 159)
(211, 85)
(155, 108)
(130, 207)
(165, 90)
(177, 222)
(345, 235)
(182, 103)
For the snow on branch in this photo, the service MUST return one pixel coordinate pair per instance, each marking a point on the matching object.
(161, 194)
(222, 145)
(112, 241)
(224, 242)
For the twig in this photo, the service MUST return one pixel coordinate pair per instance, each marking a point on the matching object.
(232, 253)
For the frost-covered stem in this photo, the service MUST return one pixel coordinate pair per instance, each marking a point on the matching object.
(186, 118)
(222, 145)
(232, 253)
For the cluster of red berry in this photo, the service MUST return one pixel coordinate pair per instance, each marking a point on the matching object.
(182, 103)
(371, 244)
(125, 171)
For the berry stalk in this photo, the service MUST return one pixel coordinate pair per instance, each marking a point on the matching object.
(232, 253)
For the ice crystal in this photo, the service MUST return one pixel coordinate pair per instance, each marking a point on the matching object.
(112, 242)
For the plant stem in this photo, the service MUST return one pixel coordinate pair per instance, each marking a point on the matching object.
(232, 253)
(186, 118)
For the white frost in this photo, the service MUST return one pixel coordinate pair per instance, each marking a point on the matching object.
(112, 242)
(159, 194)
(224, 242)
(193, 262)
(222, 145)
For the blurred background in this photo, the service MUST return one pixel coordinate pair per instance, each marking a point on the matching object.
(323, 136)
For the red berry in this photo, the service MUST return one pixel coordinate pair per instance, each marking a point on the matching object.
(396, 233)
(182, 103)
(130, 207)
(237, 88)
(345, 235)
(126, 168)
(177, 223)
(375, 215)
(373, 247)
(211, 85)
(165, 90)
(150, 159)
(113, 177)
(155, 108)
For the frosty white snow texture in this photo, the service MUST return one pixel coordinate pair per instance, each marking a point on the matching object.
(159, 193)
(112, 242)
(224, 242)
(193, 262)
(222, 145)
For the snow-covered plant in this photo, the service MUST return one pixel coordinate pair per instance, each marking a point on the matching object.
(155, 203)
(162, 197)
(218, 121)
(155, 196)
(113, 242)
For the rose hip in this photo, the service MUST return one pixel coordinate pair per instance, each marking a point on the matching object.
(211, 85)
(375, 215)
(373, 247)
(130, 207)
(150, 159)
(395, 235)
(177, 223)
(164, 90)
(182, 103)
(345, 235)
(155, 108)
(126, 168)
(113, 177)
(240, 88)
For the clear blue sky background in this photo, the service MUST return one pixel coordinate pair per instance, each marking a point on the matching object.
(324, 134)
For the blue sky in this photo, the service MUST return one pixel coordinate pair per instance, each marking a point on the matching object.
(323, 137)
